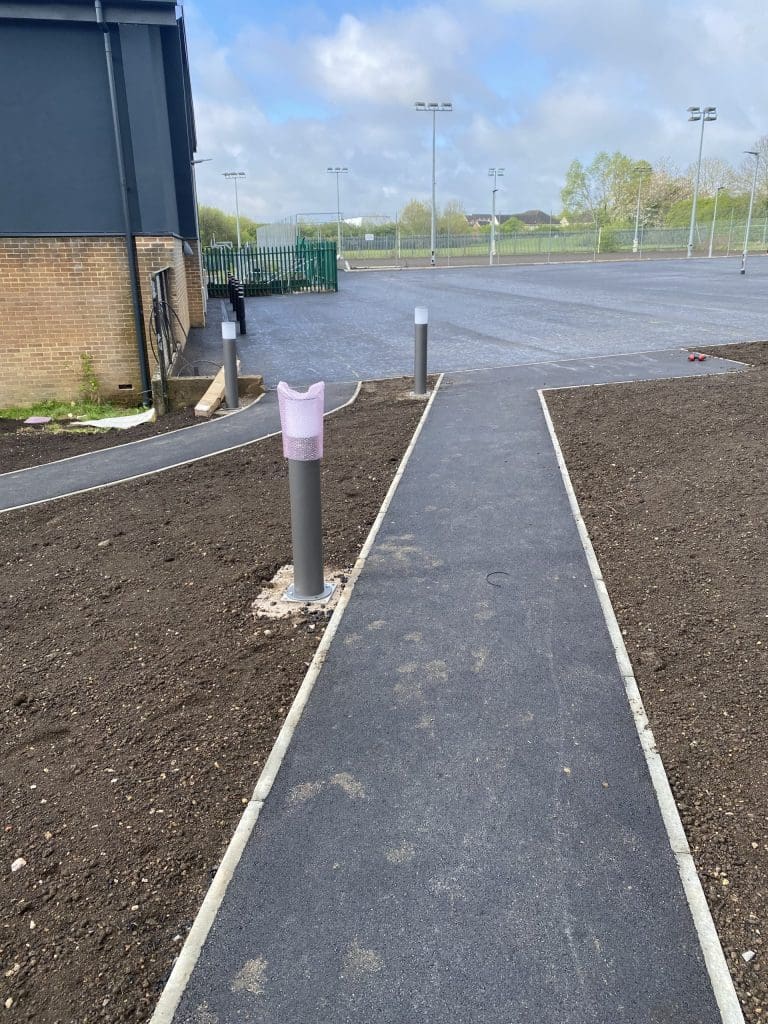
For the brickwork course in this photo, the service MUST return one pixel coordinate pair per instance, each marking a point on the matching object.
(63, 298)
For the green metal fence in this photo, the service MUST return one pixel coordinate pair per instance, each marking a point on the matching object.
(277, 270)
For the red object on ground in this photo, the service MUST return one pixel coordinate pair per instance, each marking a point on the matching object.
(702, 357)
(691, 356)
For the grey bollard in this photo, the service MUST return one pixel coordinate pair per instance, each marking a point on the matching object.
(231, 390)
(301, 419)
(306, 530)
(421, 319)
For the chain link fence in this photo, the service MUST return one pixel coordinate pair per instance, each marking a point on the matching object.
(557, 243)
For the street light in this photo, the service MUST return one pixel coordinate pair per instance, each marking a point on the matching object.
(749, 152)
(494, 172)
(635, 240)
(337, 171)
(433, 109)
(718, 190)
(234, 175)
(702, 114)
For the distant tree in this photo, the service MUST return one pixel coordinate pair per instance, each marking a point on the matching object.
(453, 219)
(585, 190)
(416, 218)
(605, 191)
(218, 226)
(714, 172)
(215, 226)
(679, 215)
(512, 224)
(662, 190)
(746, 170)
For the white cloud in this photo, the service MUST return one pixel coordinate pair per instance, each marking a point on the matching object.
(385, 60)
(534, 84)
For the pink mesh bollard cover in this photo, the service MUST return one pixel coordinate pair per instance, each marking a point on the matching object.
(301, 419)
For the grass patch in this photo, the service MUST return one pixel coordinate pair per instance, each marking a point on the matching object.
(61, 410)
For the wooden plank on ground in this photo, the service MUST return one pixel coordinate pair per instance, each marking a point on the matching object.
(213, 397)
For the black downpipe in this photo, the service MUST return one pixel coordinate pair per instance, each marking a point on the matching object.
(146, 391)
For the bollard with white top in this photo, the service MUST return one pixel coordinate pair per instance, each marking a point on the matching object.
(301, 420)
(421, 319)
(229, 340)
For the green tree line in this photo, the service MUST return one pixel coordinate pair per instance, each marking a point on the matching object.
(217, 226)
(611, 189)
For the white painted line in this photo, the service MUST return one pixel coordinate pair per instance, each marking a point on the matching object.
(162, 469)
(714, 958)
(190, 951)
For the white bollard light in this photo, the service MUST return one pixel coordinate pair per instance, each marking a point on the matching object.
(420, 319)
(229, 340)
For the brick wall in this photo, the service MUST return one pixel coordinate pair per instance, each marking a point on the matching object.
(59, 298)
(196, 290)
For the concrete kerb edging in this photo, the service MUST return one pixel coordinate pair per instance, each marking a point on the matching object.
(162, 469)
(714, 957)
(190, 951)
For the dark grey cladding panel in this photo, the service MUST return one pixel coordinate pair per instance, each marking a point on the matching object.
(149, 129)
(58, 172)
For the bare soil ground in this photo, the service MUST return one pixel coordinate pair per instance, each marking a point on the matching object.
(140, 697)
(672, 479)
(22, 446)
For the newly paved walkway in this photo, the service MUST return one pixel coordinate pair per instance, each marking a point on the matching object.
(138, 458)
(464, 830)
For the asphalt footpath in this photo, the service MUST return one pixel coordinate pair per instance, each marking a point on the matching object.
(153, 454)
(464, 828)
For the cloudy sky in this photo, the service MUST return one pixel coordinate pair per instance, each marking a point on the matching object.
(283, 91)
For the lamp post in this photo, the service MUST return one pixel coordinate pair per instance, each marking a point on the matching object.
(338, 171)
(494, 172)
(702, 114)
(234, 175)
(718, 190)
(635, 240)
(756, 155)
(433, 109)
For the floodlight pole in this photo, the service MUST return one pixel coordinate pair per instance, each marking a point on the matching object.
(702, 114)
(494, 172)
(234, 175)
(433, 108)
(338, 171)
(718, 190)
(749, 152)
(635, 240)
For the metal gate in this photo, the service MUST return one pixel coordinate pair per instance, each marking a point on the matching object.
(273, 270)
(163, 341)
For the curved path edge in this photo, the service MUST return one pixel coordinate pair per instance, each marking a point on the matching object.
(123, 462)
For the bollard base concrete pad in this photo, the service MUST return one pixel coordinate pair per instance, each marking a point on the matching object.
(273, 603)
